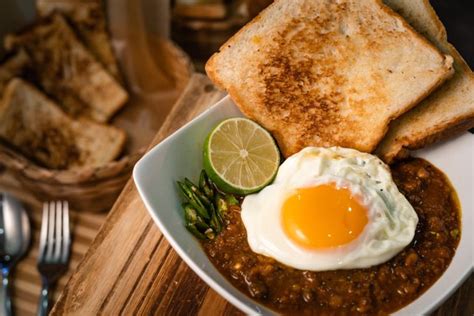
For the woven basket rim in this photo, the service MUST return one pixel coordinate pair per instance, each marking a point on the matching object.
(24, 167)
(18, 163)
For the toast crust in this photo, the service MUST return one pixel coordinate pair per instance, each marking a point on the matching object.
(438, 133)
(448, 111)
(288, 83)
(89, 21)
(14, 64)
(67, 71)
(432, 29)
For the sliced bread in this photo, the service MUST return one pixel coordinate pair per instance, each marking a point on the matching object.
(89, 20)
(40, 130)
(67, 71)
(14, 65)
(319, 73)
(447, 111)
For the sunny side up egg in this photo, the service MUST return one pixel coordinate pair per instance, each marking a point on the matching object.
(328, 209)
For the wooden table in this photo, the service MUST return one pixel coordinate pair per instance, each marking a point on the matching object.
(26, 281)
(131, 269)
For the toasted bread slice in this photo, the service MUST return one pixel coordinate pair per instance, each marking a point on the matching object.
(318, 73)
(89, 20)
(40, 130)
(14, 65)
(67, 71)
(448, 110)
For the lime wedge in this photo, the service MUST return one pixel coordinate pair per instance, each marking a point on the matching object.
(240, 156)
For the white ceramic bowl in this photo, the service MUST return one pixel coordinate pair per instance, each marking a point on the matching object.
(180, 155)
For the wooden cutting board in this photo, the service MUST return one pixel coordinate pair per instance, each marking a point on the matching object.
(131, 269)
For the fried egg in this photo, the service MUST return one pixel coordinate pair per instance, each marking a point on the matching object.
(328, 209)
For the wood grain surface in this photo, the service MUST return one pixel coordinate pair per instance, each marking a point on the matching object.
(26, 281)
(131, 269)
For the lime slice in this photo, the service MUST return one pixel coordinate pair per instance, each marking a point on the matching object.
(240, 156)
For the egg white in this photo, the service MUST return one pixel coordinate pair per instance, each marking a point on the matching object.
(391, 219)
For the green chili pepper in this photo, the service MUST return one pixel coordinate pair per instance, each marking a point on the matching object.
(194, 200)
(215, 222)
(192, 228)
(210, 233)
(205, 185)
(231, 200)
(221, 204)
(202, 197)
(219, 215)
(190, 213)
(191, 216)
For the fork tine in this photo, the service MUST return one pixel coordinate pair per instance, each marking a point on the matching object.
(51, 228)
(44, 232)
(58, 231)
(66, 233)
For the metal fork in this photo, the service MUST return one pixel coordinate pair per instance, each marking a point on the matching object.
(54, 248)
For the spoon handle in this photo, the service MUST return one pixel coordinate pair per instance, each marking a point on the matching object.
(43, 304)
(5, 301)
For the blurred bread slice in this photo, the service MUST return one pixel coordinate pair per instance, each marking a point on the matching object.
(89, 20)
(319, 73)
(14, 65)
(39, 129)
(447, 111)
(67, 71)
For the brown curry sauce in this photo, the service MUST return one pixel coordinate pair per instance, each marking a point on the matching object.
(378, 290)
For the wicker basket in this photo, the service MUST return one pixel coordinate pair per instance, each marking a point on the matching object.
(96, 189)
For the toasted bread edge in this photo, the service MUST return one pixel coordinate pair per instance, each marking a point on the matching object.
(440, 132)
(401, 147)
(212, 72)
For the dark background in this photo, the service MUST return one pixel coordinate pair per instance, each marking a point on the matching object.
(456, 15)
(458, 18)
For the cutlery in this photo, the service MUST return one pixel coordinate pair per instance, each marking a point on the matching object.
(54, 248)
(15, 235)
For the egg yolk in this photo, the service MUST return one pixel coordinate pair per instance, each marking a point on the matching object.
(323, 216)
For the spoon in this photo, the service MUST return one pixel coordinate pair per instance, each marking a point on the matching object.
(14, 240)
